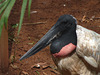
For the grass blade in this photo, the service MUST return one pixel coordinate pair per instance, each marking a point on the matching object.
(29, 7)
(22, 14)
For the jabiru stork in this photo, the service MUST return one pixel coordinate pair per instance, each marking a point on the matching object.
(74, 48)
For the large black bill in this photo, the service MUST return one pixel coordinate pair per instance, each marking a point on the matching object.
(43, 42)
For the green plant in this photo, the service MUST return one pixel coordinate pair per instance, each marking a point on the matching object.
(5, 9)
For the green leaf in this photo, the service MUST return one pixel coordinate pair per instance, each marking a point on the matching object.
(4, 17)
(4, 7)
(1, 0)
(7, 11)
(22, 14)
(2, 4)
(29, 7)
(1, 24)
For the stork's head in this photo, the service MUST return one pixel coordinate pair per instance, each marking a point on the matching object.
(64, 24)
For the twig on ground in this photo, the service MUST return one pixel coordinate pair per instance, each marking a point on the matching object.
(33, 23)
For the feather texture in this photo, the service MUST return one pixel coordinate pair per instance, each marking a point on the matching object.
(88, 46)
(86, 59)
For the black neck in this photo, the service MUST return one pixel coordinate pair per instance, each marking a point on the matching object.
(68, 36)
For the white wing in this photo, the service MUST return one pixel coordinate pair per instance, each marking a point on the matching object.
(88, 46)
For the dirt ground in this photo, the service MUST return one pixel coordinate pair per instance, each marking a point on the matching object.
(44, 14)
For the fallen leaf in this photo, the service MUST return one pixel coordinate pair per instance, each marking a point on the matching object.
(54, 71)
(33, 12)
(35, 66)
(45, 66)
(84, 19)
(92, 18)
(38, 65)
(12, 58)
(25, 73)
(44, 73)
(14, 66)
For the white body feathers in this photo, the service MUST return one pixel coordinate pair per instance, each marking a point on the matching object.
(86, 59)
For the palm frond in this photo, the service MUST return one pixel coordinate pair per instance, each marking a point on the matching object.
(29, 7)
(5, 9)
(22, 14)
(1, 0)
(4, 18)
(2, 4)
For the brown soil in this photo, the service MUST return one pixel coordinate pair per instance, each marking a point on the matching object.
(48, 11)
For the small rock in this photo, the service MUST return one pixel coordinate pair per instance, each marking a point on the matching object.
(64, 5)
